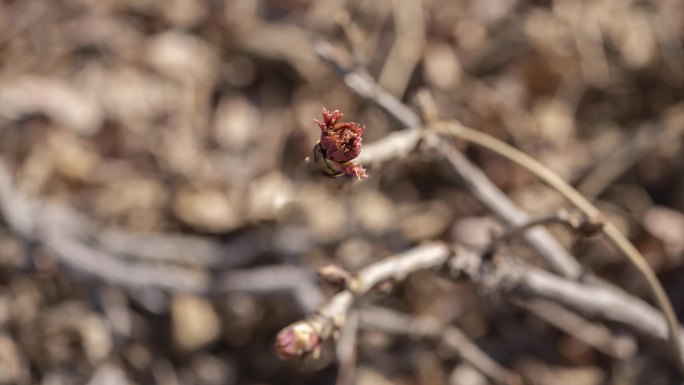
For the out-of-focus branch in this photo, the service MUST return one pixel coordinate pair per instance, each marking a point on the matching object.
(516, 280)
(510, 279)
(497, 201)
(400, 144)
(408, 46)
(303, 338)
(346, 350)
(484, 190)
(631, 150)
(201, 251)
(573, 220)
(454, 338)
(363, 84)
(611, 231)
(62, 231)
(597, 336)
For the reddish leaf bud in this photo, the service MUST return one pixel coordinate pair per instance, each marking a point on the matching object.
(340, 143)
(298, 340)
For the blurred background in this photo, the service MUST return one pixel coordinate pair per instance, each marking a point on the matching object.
(161, 141)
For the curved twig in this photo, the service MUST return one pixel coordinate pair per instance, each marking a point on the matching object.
(457, 130)
(303, 338)
(358, 80)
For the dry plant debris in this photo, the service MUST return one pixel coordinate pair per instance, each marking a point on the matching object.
(159, 223)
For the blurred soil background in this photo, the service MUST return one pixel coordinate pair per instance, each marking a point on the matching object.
(176, 129)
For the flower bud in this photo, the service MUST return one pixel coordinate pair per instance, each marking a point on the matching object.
(340, 143)
(298, 340)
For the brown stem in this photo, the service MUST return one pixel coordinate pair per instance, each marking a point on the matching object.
(457, 130)
(303, 338)
(571, 219)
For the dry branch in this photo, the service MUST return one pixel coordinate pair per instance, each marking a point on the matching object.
(201, 251)
(509, 279)
(400, 144)
(304, 337)
(597, 336)
(364, 85)
(64, 232)
(627, 153)
(611, 231)
(520, 281)
(575, 221)
(454, 338)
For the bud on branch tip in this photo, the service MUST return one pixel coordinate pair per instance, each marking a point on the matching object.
(340, 144)
(298, 340)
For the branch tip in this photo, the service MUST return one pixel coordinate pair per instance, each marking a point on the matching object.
(298, 341)
(339, 145)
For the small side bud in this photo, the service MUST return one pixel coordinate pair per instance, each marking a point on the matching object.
(585, 226)
(298, 341)
(335, 276)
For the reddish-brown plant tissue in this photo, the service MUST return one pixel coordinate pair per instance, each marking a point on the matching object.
(340, 143)
(298, 340)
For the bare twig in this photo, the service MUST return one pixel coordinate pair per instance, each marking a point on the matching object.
(61, 230)
(304, 337)
(510, 279)
(200, 251)
(517, 280)
(633, 255)
(571, 219)
(346, 350)
(483, 189)
(630, 151)
(402, 143)
(488, 193)
(453, 337)
(362, 83)
(597, 336)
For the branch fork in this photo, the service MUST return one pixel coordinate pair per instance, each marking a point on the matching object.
(304, 338)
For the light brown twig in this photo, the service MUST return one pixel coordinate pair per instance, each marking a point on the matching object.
(510, 279)
(597, 336)
(346, 350)
(631, 150)
(573, 220)
(399, 144)
(61, 230)
(455, 129)
(496, 200)
(454, 338)
(516, 280)
(304, 337)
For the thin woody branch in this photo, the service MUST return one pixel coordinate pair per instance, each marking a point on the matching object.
(399, 144)
(304, 338)
(458, 130)
(516, 280)
(512, 280)
(558, 258)
(362, 83)
(346, 350)
(484, 190)
(453, 338)
(574, 220)
(65, 233)
(597, 336)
